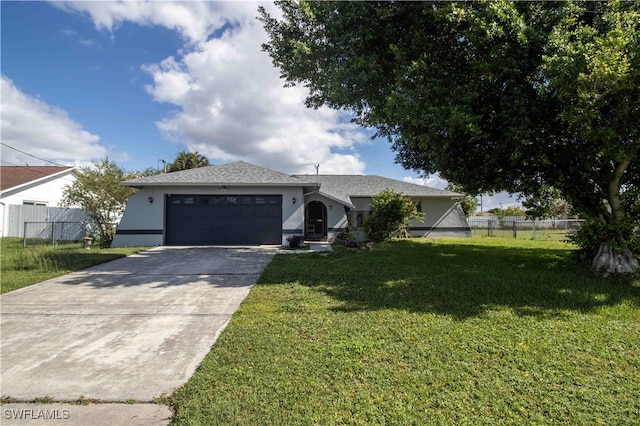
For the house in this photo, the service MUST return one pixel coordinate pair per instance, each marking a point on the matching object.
(33, 194)
(34, 185)
(243, 204)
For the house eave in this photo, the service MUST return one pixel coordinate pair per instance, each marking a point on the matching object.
(18, 188)
(207, 184)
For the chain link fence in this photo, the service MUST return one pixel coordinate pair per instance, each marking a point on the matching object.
(521, 227)
(53, 233)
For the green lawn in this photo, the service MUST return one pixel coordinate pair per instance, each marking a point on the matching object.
(21, 266)
(476, 331)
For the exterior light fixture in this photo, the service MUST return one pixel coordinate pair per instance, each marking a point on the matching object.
(150, 200)
(293, 200)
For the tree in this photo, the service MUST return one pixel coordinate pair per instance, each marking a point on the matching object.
(390, 215)
(97, 189)
(494, 96)
(548, 202)
(509, 211)
(188, 160)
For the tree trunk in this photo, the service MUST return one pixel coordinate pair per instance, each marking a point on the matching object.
(607, 261)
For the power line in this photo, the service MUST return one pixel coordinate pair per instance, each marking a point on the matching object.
(31, 155)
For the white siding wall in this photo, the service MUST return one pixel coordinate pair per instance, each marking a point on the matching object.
(43, 192)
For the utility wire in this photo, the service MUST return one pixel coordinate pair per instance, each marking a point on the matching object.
(31, 155)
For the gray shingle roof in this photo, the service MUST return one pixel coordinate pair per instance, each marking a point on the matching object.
(238, 173)
(343, 187)
(338, 187)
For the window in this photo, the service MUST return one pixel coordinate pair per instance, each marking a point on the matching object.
(357, 218)
(34, 203)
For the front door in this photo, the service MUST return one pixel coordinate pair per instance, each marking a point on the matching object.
(315, 221)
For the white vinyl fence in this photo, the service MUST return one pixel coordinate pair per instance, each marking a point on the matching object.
(47, 224)
(522, 227)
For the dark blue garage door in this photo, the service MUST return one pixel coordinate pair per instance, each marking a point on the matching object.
(223, 220)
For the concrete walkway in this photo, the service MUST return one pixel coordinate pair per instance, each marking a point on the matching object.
(133, 329)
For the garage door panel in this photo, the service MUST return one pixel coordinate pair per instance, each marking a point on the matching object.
(220, 220)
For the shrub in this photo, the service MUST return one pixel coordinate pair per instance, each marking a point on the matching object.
(390, 215)
(593, 233)
(295, 241)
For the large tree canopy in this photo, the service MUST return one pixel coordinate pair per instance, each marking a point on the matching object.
(513, 96)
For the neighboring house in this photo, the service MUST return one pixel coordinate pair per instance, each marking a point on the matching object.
(243, 204)
(33, 194)
(34, 185)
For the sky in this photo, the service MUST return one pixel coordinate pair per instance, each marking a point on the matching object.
(138, 82)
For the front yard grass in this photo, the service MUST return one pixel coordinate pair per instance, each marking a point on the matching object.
(477, 331)
(22, 266)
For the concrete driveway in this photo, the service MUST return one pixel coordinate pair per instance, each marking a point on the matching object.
(131, 329)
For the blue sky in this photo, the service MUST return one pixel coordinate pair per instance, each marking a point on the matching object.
(142, 81)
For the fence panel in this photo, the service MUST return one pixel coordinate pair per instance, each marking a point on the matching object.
(521, 227)
(38, 233)
(16, 215)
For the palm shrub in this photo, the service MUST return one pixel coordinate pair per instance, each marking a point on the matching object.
(390, 216)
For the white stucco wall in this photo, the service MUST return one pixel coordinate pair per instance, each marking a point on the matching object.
(140, 215)
(443, 217)
(336, 216)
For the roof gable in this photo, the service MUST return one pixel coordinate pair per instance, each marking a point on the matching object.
(15, 176)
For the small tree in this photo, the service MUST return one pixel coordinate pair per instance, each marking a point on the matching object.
(98, 190)
(390, 215)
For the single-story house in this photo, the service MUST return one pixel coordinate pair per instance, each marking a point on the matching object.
(243, 204)
(35, 185)
(35, 188)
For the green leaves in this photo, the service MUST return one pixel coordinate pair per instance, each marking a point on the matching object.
(498, 95)
(390, 215)
(98, 190)
(188, 160)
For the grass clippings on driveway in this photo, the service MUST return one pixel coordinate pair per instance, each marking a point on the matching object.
(24, 266)
(475, 331)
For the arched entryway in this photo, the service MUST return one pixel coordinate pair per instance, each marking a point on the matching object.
(315, 221)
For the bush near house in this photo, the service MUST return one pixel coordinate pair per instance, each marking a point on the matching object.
(390, 216)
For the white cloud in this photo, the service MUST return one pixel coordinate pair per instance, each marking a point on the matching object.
(31, 125)
(231, 102)
(501, 200)
(433, 181)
